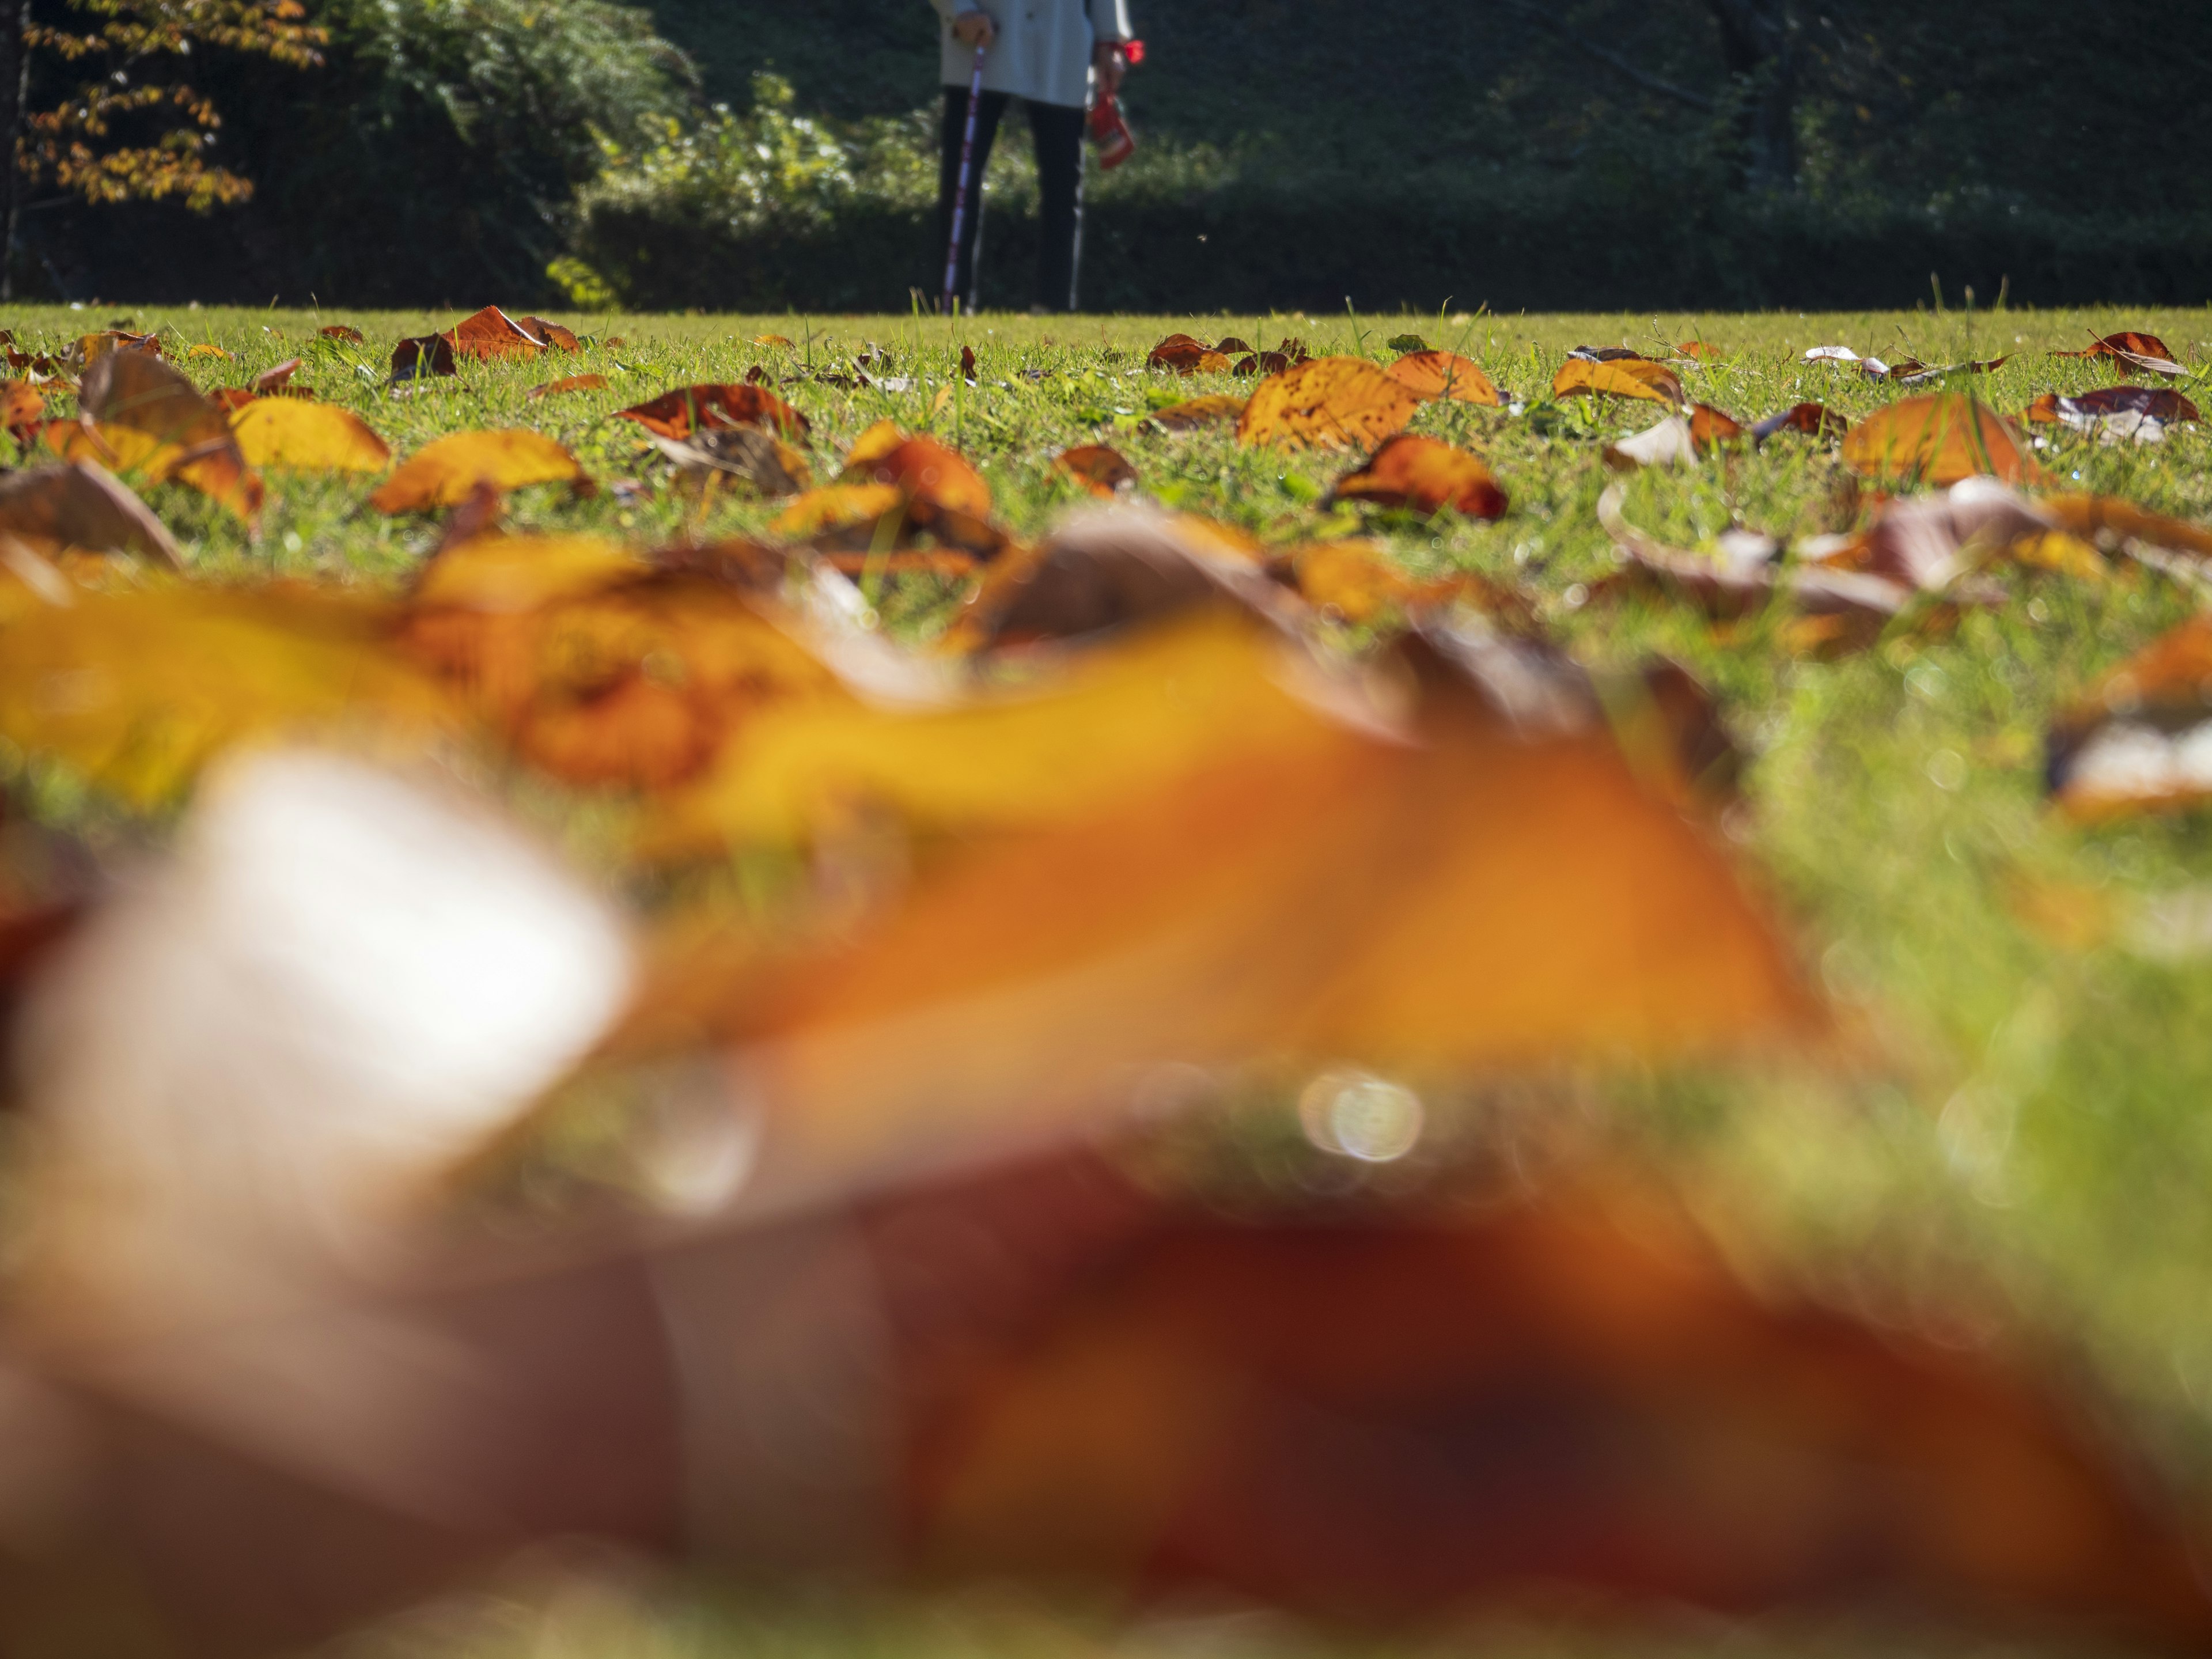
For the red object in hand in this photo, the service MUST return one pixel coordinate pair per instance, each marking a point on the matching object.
(1116, 143)
(1133, 50)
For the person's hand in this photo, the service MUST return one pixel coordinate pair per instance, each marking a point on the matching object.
(1111, 62)
(974, 28)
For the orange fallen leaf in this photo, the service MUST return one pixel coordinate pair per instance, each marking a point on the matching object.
(574, 383)
(1098, 468)
(829, 508)
(2139, 353)
(1443, 374)
(1625, 377)
(1186, 356)
(489, 333)
(1710, 428)
(209, 351)
(22, 406)
(2111, 523)
(2084, 412)
(308, 437)
(443, 472)
(940, 492)
(1328, 402)
(1426, 475)
(771, 340)
(344, 332)
(90, 347)
(1699, 351)
(270, 381)
(1215, 409)
(1939, 438)
(1359, 580)
(687, 408)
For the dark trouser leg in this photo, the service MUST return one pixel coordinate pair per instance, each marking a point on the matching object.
(1057, 130)
(988, 109)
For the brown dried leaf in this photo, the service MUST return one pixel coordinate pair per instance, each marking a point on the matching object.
(1426, 475)
(1097, 468)
(1215, 409)
(572, 383)
(679, 413)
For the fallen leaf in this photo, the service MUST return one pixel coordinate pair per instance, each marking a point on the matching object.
(1229, 344)
(1097, 468)
(88, 348)
(1215, 409)
(1931, 543)
(1444, 374)
(270, 381)
(1110, 567)
(1666, 443)
(489, 334)
(189, 437)
(1913, 373)
(1710, 428)
(2141, 739)
(2115, 525)
(936, 491)
(208, 351)
(1260, 363)
(1938, 438)
(2111, 413)
(1426, 475)
(1699, 351)
(2143, 353)
(1359, 580)
(687, 408)
(139, 690)
(830, 508)
(1813, 420)
(1327, 403)
(344, 332)
(1607, 354)
(308, 437)
(79, 505)
(595, 667)
(967, 365)
(777, 340)
(22, 406)
(1187, 356)
(1625, 377)
(443, 472)
(768, 463)
(573, 383)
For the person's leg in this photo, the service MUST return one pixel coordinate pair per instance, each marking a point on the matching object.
(1058, 130)
(988, 109)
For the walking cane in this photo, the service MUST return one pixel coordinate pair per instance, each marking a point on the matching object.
(967, 175)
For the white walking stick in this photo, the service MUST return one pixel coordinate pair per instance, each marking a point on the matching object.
(967, 178)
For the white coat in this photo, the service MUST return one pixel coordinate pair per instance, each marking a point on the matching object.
(1042, 51)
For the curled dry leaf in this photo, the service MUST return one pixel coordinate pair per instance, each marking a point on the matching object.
(1666, 443)
(273, 381)
(1109, 567)
(304, 437)
(1230, 345)
(938, 491)
(1911, 374)
(572, 383)
(1623, 377)
(688, 409)
(2139, 354)
(1327, 403)
(1261, 362)
(1359, 580)
(79, 505)
(1932, 543)
(88, 348)
(1426, 475)
(594, 666)
(1097, 468)
(777, 341)
(1186, 356)
(768, 463)
(344, 331)
(1939, 438)
(1444, 374)
(1215, 409)
(1606, 355)
(159, 681)
(2140, 740)
(1710, 428)
(1699, 351)
(1813, 420)
(2112, 413)
(134, 395)
(443, 473)
(489, 333)
(2113, 526)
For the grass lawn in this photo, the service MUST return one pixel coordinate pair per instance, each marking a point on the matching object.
(2020, 1150)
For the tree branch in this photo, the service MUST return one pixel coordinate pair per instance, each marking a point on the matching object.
(1612, 60)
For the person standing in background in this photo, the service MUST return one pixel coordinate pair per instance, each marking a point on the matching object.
(1048, 53)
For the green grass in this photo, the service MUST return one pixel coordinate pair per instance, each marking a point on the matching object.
(2020, 1150)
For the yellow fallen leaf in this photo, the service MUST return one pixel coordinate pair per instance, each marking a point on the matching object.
(1329, 402)
(444, 472)
(1627, 377)
(308, 437)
